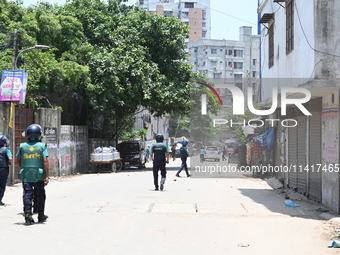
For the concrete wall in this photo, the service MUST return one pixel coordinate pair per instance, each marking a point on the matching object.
(298, 64)
(330, 152)
(4, 117)
(155, 125)
(67, 145)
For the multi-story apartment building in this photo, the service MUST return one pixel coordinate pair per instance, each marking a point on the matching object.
(195, 13)
(229, 62)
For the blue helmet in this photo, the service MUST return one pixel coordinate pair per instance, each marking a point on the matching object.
(3, 139)
(184, 143)
(33, 132)
(159, 138)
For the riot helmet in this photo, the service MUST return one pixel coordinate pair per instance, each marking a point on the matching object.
(3, 140)
(159, 138)
(33, 132)
(184, 143)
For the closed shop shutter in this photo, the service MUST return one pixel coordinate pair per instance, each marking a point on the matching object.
(301, 151)
(315, 157)
(292, 157)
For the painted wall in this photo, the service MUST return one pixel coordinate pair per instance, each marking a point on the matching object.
(67, 145)
(330, 152)
(4, 117)
(297, 67)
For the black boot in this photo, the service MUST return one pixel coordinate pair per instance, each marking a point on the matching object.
(42, 217)
(28, 220)
(1, 203)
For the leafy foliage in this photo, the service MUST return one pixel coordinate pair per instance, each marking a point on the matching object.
(113, 57)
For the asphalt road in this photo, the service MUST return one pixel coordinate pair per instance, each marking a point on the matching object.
(120, 213)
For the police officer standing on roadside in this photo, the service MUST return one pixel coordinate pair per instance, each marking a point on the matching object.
(6, 159)
(160, 156)
(32, 158)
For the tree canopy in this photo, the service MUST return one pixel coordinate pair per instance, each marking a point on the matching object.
(111, 57)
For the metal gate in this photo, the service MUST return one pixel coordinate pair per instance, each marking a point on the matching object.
(23, 118)
(292, 157)
(301, 154)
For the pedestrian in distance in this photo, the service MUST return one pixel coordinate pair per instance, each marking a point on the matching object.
(32, 158)
(160, 157)
(224, 153)
(173, 152)
(184, 152)
(6, 159)
(202, 152)
(147, 153)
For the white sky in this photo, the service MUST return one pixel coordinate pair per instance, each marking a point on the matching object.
(227, 16)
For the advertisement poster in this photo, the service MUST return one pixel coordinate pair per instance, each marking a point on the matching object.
(12, 85)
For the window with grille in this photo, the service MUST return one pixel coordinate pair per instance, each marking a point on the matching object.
(238, 65)
(289, 26)
(238, 76)
(213, 51)
(188, 5)
(271, 46)
(238, 53)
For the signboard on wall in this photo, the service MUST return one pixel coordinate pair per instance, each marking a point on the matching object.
(50, 135)
(13, 85)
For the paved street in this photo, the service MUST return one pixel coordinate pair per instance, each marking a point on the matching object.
(120, 213)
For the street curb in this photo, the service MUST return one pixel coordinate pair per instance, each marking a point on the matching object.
(328, 216)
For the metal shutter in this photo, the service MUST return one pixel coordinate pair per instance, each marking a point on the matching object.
(301, 152)
(315, 178)
(292, 157)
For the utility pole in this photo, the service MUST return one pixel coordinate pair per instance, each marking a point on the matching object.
(12, 109)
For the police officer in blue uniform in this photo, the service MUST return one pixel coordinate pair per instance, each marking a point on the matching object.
(32, 158)
(184, 152)
(6, 159)
(160, 156)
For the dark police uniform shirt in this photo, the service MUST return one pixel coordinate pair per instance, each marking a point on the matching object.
(159, 150)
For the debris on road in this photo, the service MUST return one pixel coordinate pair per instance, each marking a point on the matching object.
(334, 244)
(243, 245)
(290, 203)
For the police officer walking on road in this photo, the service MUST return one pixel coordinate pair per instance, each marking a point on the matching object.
(160, 156)
(32, 158)
(184, 152)
(6, 159)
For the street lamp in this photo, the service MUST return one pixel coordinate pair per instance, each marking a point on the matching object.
(36, 47)
(14, 67)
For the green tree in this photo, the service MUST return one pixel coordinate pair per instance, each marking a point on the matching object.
(112, 57)
(138, 60)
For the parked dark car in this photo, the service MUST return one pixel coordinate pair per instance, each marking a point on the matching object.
(132, 154)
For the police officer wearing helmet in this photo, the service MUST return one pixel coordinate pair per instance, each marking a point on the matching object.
(6, 159)
(184, 152)
(159, 155)
(34, 173)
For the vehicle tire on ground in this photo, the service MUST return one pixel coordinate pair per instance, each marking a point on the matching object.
(119, 165)
(113, 167)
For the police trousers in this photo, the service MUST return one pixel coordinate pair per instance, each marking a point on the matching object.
(34, 195)
(159, 165)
